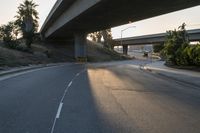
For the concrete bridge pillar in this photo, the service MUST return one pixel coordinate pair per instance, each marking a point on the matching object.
(80, 45)
(125, 49)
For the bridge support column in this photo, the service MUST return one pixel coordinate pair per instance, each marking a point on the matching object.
(80, 46)
(125, 49)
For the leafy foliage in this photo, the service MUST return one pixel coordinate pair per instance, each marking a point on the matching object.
(96, 36)
(8, 33)
(158, 48)
(107, 37)
(108, 40)
(177, 50)
(27, 20)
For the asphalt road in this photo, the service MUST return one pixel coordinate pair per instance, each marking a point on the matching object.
(97, 98)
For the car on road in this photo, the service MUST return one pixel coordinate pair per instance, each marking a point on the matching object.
(146, 53)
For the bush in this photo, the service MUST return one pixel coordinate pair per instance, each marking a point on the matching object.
(12, 44)
(177, 50)
(8, 33)
(195, 55)
(158, 48)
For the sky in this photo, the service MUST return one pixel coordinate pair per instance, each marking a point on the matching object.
(158, 24)
(8, 9)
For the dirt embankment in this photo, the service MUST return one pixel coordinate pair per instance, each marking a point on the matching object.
(43, 53)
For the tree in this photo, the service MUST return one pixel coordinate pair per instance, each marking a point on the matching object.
(177, 50)
(27, 20)
(175, 43)
(6, 32)
(107, 37)
(96, 36)
(157, 48)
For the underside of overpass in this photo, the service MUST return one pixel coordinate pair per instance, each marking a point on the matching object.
(69, 18)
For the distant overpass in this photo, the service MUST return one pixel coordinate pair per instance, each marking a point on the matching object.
(193, 35)
(74, 19)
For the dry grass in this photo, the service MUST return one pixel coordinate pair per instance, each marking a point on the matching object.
(96, 53)
(43, 53)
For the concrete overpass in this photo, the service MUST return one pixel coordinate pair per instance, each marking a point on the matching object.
(73, 19)
(193, 35)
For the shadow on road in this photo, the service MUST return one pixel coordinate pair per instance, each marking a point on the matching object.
(89, 107)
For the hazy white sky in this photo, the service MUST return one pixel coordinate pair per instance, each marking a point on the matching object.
(159, 24)
(8, 9)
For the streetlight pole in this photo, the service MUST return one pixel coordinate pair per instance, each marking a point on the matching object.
(125, 30)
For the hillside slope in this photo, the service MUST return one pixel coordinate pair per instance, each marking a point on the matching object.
(43, 53)
(96, 53)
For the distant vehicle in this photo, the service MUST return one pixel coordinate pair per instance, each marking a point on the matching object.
(146, 53)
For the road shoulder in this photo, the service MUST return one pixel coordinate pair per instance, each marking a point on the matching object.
(186, 76)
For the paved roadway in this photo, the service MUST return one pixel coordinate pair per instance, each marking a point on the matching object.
(97, 98)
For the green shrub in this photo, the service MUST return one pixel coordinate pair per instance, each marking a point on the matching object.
(196, 55)
(8, 33)
(158, 48)
(177, 50)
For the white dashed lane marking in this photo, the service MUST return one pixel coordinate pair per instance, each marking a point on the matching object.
(70, 84)
(61, 102)
(59, 111)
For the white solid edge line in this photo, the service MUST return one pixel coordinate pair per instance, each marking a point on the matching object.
(59, 110)
(9, 76)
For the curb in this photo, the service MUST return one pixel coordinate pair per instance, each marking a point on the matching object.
(162, 73)
(22, 69)
(172, 70)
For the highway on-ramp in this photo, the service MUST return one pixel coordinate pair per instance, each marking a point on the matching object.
(117, 97)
